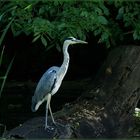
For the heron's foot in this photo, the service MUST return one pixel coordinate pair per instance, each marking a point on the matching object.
(50, 128)
(54, 125)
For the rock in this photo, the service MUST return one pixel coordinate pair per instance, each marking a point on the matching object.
(34, 128)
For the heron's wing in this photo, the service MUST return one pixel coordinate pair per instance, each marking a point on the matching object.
(46, 83)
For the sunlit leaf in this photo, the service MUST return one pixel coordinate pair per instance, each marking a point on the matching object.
(102, 20)
(36, 38)
(44, 41)
(28, 7)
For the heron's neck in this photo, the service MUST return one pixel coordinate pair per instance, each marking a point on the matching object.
(65, 63)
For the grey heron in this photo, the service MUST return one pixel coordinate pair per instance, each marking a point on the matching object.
(51, 80)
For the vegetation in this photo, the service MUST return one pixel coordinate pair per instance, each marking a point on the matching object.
(50, 21)
(137, 112)
(5, 75)
(111, 22)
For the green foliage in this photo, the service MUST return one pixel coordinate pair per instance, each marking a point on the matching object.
(4, 77)
(1, 56)
(50, 21)
(137, 112)
(129, 13)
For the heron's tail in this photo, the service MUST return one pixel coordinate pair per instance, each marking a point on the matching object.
(36, 104)
(33, 108)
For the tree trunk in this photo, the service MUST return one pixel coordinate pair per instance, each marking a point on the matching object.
(106, 107)
(119, 89)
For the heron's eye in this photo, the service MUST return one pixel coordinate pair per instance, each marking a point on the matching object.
(73, 39)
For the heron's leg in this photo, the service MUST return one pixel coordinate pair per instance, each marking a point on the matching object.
(47, 105)
(49, 100)
(51, 114)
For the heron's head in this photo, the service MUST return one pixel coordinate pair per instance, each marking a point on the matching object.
(72, 40)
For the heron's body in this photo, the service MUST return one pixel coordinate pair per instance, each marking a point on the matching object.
(51, 81)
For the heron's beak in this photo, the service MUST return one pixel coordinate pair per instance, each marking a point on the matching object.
(80, 41)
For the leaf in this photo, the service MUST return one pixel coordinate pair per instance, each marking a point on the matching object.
(120, 13)
(28, 7)
(98, 10)
(104, 36)
(6, 75)
(102, 20)
(36, 33)
(2, 77)
(136, 35)
(36, 38)
(104, 8)
(108, 44)
(1, 56)
(84, 14)
(41, 10)
(5, 31)
(43, 40)
(1, 16)
(97, 32)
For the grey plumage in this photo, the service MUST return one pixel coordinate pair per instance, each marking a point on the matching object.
(51, 80)
(45, 85)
